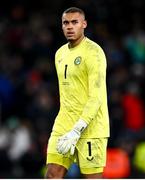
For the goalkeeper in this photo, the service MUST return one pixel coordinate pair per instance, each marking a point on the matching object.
(81, 128)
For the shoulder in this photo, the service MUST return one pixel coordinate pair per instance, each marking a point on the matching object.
(61, 49)
(92, 46)
(94, 52)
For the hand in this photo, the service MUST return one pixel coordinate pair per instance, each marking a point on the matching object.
(68, 142)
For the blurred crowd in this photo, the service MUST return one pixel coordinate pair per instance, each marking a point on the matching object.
(30, 33)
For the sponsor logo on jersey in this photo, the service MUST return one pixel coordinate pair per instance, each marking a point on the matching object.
(59, 61)
(77, 60)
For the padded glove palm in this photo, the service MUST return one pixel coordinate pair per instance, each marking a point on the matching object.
(68, 141)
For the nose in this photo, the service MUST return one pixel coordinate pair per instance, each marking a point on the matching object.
(69, 26)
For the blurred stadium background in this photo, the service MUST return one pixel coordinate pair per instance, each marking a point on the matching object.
(30, 33)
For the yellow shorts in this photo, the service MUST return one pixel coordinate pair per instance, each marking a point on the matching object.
(90, 155)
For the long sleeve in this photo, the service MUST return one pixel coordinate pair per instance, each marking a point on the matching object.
(96, 69)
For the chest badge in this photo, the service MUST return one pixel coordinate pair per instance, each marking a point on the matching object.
(77, 60)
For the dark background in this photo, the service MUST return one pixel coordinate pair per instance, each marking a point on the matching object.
(30, 33)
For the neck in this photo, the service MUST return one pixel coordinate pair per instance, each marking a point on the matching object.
(74, 43)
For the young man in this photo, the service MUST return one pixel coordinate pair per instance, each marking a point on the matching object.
(81, 128)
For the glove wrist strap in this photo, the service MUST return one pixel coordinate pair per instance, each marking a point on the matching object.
(80, 126)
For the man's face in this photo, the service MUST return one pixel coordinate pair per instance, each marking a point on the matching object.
(73, 25)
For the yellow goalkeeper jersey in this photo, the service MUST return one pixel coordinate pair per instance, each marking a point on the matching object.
(81, 75)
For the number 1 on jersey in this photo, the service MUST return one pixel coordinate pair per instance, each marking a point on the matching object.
(65, 71)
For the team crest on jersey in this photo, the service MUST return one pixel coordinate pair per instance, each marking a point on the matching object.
(77, 60)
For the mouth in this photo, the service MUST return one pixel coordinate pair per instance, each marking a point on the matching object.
(70, 34)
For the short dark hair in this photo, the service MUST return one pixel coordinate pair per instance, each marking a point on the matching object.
(74, 10)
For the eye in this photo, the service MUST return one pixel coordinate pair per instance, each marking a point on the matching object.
(65, 22)
(74, 22)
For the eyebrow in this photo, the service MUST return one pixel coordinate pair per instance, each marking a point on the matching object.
(74, 20)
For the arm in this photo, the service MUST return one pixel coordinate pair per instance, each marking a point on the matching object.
(96, 68)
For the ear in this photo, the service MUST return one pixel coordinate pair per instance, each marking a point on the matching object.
(84, 24)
